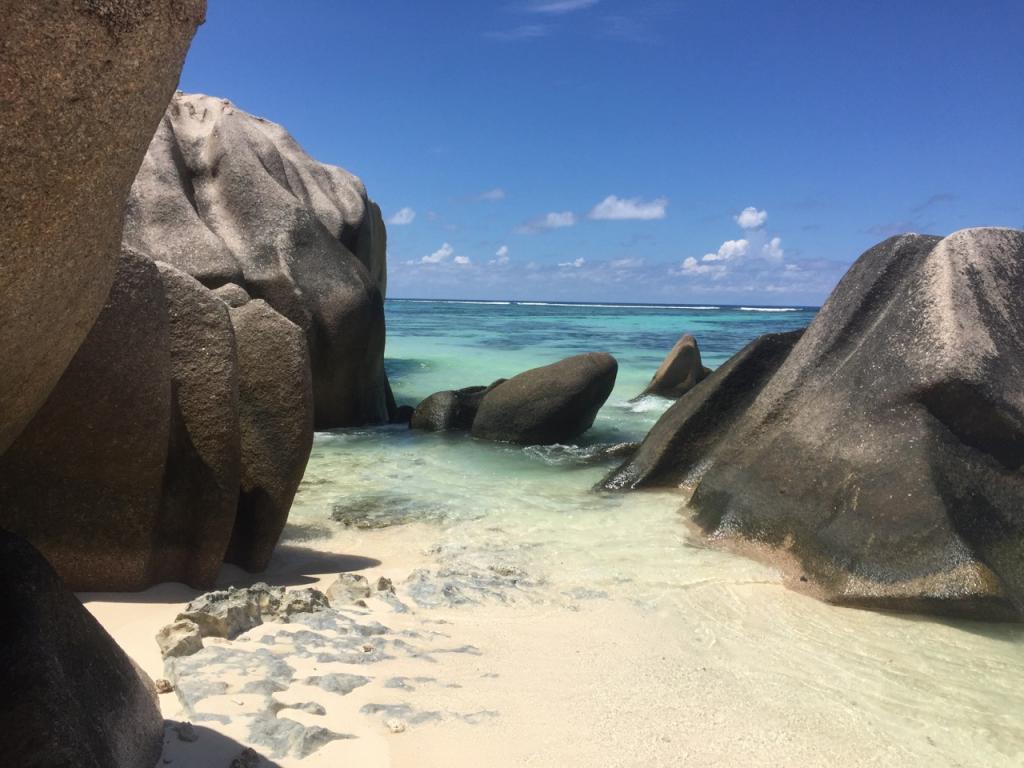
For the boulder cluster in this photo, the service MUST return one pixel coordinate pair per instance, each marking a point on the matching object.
(877, 455)
(245, 308)
(552, 404)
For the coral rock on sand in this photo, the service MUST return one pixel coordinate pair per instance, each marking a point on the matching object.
(552, 404)
(231, 198)
(180, 638)
(275, 403)
(229, 612)
(882, 460)
(82, 88)
(679, 372)
(451, 409)
(69, 696)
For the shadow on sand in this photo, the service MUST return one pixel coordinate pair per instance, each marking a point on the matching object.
(209, 750)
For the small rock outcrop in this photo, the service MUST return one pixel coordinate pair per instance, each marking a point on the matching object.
(231, 198)
(275, 411)
(82, 88)
(450, 409)
(227, 613)
(552, 404)
(881, 463)
(689, 431)
(68, 694)
(679, 372)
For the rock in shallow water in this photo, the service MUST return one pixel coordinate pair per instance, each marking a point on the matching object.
(552, 404)
(451, 409)
(679, 372)
(882, 460)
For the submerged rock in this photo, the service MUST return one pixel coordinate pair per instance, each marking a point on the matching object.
(451, 409)
(84, 85)
(882, 460)
(381, 511)
(69, 696)
(679, 372)
(231, 198)
(552, 404)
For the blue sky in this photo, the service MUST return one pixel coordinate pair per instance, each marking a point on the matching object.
(640, 150)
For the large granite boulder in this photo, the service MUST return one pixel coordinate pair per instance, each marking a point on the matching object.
(275, 400)
(82, 88)
(69, 696)
(231, 198)
(450, 409)
(203, 472)
(688, 433)
(83, 481)
(552, 404)
(679, 372)
(882, 461)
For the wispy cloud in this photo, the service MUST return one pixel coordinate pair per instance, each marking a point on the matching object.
(492, 195)
(575, 263)
(557, 7)
(500, 256)
(614, 208)
(523, 32)
(402, 217)
(555, 220)
(941, 197)
(438, 256)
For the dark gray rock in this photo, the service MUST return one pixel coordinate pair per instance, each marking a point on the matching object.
(84, 480)
(679, 372)
(84, 85)
(231, 198)
(232, 295)
(200, 494)
(275, 400)
(687, 434)
(552, 404)
(69, 696)
(451, 409)
(229, 612)
(882, 460)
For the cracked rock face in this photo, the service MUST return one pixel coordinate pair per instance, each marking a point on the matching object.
(882, 460)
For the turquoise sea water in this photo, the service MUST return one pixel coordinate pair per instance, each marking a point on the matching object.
(918, 692)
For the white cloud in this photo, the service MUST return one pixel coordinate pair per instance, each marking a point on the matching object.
(614, 208)
(693, 267)
(626, 263)
(492, 194)
(560, 6)
(501, 256)
(439, 255)
(575, 263)
(557, 220)
(461, 259)
(772, 250)
(751, 218)
(728, 251)
(402, 217)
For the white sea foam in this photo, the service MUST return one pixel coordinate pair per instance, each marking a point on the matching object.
(611, 306)
(769, 309)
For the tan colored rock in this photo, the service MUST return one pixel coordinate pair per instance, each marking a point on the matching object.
(83, 84)
(679, 372)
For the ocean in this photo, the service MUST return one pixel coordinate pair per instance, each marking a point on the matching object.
(675, 633)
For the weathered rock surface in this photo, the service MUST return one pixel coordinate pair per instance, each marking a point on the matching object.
(450, 409)
(179, 638)
(231, 198)
(201, 482)
(348, 588)
(679, 372)
(275, 403)
(229, 612)
(68, 694)
(82, 88)
(882, 461)
(552, 404)
(688, 433)
(84, 480)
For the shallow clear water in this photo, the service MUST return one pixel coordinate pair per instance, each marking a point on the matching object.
(907, 690)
